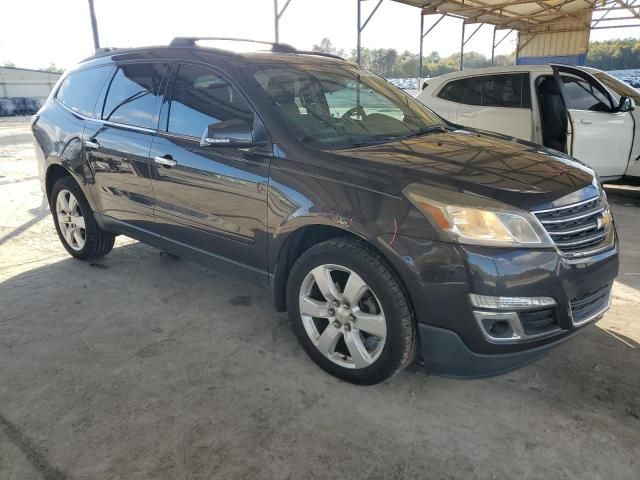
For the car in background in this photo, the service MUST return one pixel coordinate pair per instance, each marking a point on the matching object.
(7, 107)
(581, 111)
(21, 105)
(32, 105)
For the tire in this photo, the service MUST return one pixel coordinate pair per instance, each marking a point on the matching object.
(339, 330)
(96, 242)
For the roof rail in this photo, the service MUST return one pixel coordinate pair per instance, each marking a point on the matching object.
(320, 54)
(275, 47)
(191, 42)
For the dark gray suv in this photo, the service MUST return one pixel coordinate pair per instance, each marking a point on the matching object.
(383, 230)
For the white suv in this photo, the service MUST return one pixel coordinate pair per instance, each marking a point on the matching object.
(581, 111)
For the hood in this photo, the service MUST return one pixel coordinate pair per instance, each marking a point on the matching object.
(514, 172)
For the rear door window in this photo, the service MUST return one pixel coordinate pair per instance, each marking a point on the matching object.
(80, 90)
(133, 95)
(505, 91)
(200, 98)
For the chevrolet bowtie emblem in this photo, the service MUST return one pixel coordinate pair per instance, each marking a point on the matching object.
(604, 219)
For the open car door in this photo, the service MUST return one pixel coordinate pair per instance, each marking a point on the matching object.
(599, 133)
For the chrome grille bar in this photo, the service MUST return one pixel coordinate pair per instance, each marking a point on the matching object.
(576, 228)
(590, 213)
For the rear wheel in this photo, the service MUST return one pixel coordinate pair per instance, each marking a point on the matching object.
(350, 312)
(76, 226)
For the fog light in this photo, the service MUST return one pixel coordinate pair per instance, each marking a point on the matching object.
(509, 303)
(499, 329)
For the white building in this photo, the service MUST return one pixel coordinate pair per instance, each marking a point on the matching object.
(23, 82)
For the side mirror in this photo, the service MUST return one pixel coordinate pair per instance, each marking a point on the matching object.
(230, 133)
(626, 104)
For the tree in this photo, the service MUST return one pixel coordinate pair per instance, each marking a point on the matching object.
(53, 68)
(327, 47)
(387, 62)
(9, 64)
(616, 54)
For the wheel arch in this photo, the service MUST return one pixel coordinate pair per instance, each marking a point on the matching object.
(56, 171)
(305, 237)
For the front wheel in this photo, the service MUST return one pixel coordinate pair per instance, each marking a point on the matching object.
(350, 312)
(76, 226)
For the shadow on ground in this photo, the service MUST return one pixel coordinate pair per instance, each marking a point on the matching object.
(143, 366)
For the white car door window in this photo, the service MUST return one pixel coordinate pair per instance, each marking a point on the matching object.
(498, 103)
(601, 137)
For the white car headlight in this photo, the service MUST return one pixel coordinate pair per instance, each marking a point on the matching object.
(476, 220)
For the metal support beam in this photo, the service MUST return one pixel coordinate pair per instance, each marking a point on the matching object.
(494, 44)
(423, 34)
(361, 25)
(464, 41)
(276, 16)
(420, 49)
(94, 26)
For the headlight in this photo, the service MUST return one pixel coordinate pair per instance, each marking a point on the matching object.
(477, 220)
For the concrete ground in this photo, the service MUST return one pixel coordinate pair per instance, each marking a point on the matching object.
(138, 366)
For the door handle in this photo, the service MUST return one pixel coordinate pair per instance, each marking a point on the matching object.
(469, 114)
(91, 144)
(166, 161)
(586, 121)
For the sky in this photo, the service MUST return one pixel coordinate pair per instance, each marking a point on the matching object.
(58, 31)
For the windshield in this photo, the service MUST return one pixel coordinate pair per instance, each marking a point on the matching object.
(341, 106)
(618, 87)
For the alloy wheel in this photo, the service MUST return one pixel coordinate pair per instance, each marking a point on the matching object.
(342, 316)
(71, 220)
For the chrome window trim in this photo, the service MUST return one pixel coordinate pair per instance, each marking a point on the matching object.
(106, 122)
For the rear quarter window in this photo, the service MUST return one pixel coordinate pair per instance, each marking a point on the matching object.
(80, 89)
(453, 91)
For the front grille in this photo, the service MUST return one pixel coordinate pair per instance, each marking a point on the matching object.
(585, 306)
(538, 322)
(576, 227)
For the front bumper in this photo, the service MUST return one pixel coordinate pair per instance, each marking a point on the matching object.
(440, 275)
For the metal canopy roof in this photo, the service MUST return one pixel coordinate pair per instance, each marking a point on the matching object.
(538, 16)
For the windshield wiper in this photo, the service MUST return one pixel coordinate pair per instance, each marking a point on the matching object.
(420, 132)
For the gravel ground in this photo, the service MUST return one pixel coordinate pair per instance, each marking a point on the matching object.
(139, 366)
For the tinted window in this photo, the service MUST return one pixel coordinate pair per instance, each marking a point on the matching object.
(581, 95)
(473, 92)
(507, 91)
(132, 97)
(202, 98)
(80, 90)
(453, 91)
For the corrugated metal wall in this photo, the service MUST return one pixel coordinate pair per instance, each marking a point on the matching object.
(555, 44)
(20, 82)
